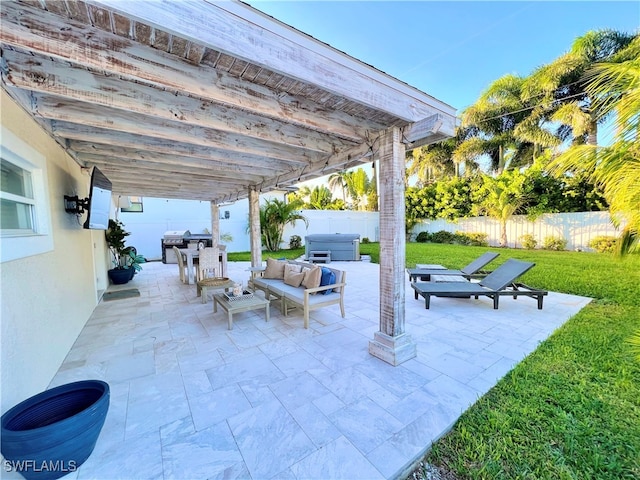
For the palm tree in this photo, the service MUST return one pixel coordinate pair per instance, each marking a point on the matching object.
(320, 198)
(515, 117)
(358, 186)
(614, 88)
(433, 162)
(558, 90)
(490, 125)
(339, 179)
(501, 198)
(274, 216)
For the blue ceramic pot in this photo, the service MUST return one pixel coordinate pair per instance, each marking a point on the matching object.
(52, 433)
(120, 276)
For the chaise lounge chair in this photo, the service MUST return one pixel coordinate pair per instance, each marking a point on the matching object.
(498, 283)
(470, 271)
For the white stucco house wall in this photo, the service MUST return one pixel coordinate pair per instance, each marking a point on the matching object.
(52, 279)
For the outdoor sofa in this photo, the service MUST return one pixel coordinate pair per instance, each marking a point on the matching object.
(301, 284)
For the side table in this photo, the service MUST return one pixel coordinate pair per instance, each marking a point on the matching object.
(238, 306)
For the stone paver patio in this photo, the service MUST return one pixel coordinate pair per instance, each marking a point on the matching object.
(193, 400)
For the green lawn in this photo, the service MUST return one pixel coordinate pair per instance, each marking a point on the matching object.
(571, 410)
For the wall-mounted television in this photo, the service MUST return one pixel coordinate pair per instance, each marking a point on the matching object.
(99, 205)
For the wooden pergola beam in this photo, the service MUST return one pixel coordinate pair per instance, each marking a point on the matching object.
(65, 81)
(49, 35)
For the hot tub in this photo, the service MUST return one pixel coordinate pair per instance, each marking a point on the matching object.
(343, 246)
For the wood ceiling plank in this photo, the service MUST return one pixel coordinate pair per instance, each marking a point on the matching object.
(171, 161)
(246, 33)
(48, 34)
(202, 171)
(150, 174)
(119, 121)
(89, 139)
(42, 74)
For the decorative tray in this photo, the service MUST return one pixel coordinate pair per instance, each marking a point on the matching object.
(246, 294)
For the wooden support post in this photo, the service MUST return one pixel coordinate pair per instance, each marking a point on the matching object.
(391, 343)
(254, 227)
(215, 234)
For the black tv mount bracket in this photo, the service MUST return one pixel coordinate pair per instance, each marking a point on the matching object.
(75, 205)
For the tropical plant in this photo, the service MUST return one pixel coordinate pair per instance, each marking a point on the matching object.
(552, 242)
(295, 241)
(358, 187)
(320, 198)
(528, 241)
(603, 244)
(115, 236)
(559, 91)
(489, 127)
(433, 162)
(517, 118)
(339, 180)
(615, 88)
(122, 257)
(274, 216)
(501, 198)
(546, 193)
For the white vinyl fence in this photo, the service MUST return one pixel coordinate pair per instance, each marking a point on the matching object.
(578, 229)
(159, 215)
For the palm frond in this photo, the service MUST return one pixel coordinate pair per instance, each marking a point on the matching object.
(571, 114)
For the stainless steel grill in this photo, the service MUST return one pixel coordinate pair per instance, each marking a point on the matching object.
(175, 237)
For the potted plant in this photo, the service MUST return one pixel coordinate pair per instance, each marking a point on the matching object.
(126, 261)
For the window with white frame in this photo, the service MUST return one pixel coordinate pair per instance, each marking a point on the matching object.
(133, 205)
(24, 203)
(17, 205)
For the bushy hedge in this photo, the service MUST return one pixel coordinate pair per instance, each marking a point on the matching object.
(460, 238)
(603, 244)
(295, 241)
(554, 243)
(528, 241)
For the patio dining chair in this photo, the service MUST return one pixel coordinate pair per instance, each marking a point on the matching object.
(208, 267)
(500, 282)
(182, 266)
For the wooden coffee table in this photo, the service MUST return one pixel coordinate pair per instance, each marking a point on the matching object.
(238, 306)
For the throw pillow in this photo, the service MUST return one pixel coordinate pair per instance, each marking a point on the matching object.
(312, 277)
(275, 269)
(293, 279)
(327, 278)
(292, 268)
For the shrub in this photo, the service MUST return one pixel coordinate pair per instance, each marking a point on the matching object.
(528, 241)
(603, 244)
(442, 236)
(295, 242)
(554, 243)
(365, 240)
(423, 237)
(473, 239)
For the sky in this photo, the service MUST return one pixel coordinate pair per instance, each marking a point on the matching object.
(452, 50)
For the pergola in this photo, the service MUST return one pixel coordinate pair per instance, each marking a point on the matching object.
(200, 100)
